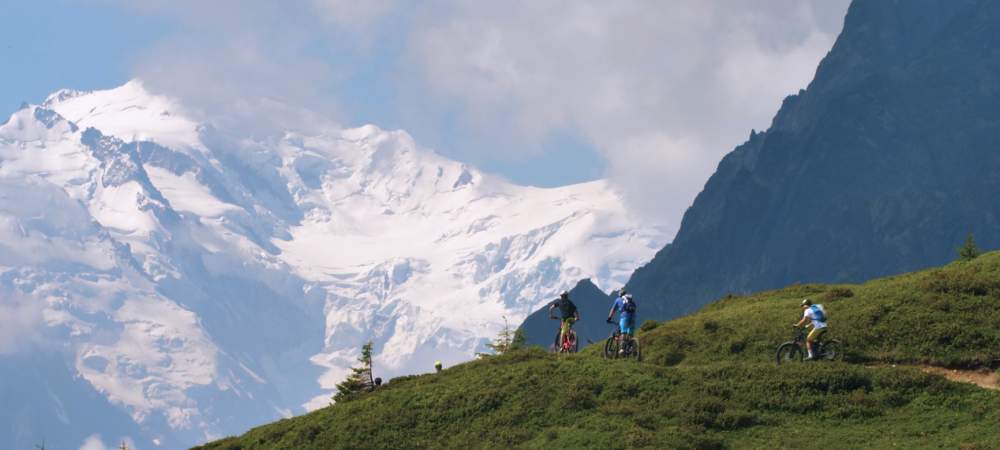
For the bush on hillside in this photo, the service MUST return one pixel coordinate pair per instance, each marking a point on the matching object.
(969, 250)
(649, 325)
(836, 294)
(360, 380)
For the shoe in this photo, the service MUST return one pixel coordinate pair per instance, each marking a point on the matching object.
(810, 358)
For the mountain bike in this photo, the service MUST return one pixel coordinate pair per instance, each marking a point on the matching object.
(622, 346)
(795, 350)
(570, 345)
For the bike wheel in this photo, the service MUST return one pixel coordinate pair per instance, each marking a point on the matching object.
(556, 345)
(788, 352)
(831, 351)
(635, 352)
(574, 342)
(611, 348)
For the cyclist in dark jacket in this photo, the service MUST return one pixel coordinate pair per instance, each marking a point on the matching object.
(568, 313)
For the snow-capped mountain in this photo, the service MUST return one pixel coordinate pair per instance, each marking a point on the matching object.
(185, 282)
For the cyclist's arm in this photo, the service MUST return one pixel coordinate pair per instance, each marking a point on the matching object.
(802, 321)
(611, 313)
(552, 307)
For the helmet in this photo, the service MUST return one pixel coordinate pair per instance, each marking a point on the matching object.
(564, 295)
(807, 302)
(622, 291)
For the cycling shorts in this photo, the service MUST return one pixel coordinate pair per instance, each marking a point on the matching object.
(567, 323)
(626, 325)
(816, 334)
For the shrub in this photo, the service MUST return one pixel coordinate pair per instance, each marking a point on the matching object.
(836, 293)
(969, 250)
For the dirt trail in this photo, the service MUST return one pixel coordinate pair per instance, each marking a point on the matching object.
(983, 378)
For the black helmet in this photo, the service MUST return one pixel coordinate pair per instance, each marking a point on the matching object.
(622, 292)
(564, 295)
(807, 302)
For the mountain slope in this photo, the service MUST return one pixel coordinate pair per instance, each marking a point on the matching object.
(200, 280)
(884, 164)
(709, 381)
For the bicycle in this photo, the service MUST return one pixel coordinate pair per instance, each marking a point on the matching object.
(795, 349)
(616, 347)
(570, 345)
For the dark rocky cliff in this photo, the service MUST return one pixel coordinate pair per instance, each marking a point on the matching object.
(883, 165)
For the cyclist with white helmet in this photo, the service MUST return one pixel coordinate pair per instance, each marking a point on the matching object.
(626, 308)
(817, 315)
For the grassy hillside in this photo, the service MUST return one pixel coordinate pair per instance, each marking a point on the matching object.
(708, 381)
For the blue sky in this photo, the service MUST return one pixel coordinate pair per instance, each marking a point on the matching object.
(53, 44)
(647, 94)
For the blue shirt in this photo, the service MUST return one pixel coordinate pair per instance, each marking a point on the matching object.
(620, 309)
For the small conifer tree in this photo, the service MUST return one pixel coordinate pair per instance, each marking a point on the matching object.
(969, 250)
(506, 340)
(360, 380)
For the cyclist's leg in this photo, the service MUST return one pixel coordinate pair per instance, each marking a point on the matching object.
(812, 338)
(622, 327)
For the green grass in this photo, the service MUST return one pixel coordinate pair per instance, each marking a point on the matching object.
(948, 317)
(708, 381)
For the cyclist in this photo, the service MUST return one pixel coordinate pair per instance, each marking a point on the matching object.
(625, 307)
(568, 312)
(817, 315)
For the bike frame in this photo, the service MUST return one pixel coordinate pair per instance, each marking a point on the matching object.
(565, 345)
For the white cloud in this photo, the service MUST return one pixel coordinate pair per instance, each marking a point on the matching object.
(662, 89)
(93, 442)
(22, 320)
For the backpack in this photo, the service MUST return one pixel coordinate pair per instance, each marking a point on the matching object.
(628, 305)
(818, 314)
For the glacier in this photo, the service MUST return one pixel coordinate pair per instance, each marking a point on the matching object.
(169, 281)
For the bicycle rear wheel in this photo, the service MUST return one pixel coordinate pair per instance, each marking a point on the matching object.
(574, 342)
(788, 352)
(634, 350)
(832, 351)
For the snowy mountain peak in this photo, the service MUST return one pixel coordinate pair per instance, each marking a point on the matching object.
(202, 281)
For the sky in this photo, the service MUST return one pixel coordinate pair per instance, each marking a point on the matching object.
(648, 94)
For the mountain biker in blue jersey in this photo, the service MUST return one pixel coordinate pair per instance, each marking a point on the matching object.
(817, 315)
(625, 307)
(568, 313)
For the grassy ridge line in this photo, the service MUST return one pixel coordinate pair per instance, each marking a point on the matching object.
(947, 316)
(533, 400)
(708, 382)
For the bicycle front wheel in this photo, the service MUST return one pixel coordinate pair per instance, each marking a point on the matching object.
(788, 352)
(611, 348)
